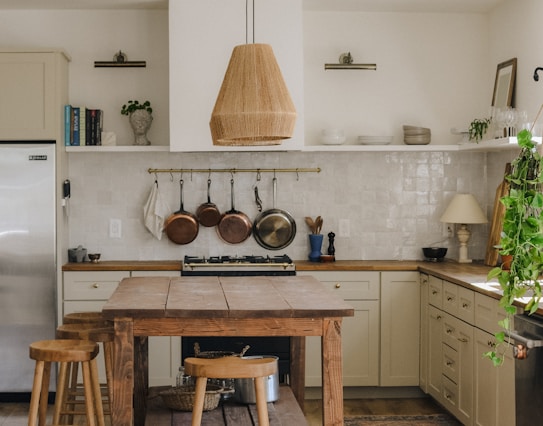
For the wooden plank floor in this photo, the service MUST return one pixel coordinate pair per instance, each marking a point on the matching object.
(284, 412)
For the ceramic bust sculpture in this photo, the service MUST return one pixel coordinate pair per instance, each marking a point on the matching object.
(141, 120)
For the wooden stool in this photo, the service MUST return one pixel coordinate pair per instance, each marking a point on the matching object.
(45, 352)
(87, 331)
(235, 368)
(86, 317)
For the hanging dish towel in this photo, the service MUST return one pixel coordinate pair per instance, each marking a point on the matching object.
(155, 212)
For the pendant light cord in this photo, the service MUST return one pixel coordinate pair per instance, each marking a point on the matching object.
(247, 21)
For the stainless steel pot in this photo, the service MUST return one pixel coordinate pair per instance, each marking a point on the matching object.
(244, 389)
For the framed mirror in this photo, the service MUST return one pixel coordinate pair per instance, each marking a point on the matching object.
(504, 86)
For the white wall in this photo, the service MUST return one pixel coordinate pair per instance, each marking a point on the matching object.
(431, 71)
(96, 35)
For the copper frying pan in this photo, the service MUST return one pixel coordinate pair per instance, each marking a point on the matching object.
(182, 226)
(235, 226)
(208, 213)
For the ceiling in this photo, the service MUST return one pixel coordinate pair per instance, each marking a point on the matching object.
(440, 6)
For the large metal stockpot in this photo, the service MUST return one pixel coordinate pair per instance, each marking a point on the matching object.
(244, 389)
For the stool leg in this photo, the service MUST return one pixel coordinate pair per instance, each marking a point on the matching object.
(89, 394)
(44, 395)
(261, 404)
(36, 394)
(97, 393)
(60, 401)
(198, 408)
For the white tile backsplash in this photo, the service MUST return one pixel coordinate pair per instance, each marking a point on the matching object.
(392, 200)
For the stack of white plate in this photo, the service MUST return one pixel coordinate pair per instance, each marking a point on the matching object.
(413, 135)
(375, 140)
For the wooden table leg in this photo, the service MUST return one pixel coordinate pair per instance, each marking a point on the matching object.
(123, 372)
(332, 374)
(141, 379)
(297, 368)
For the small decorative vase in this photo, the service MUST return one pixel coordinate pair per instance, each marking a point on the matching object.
(141, 121)
(315, 241)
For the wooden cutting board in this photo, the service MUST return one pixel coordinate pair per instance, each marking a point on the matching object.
(491, 258)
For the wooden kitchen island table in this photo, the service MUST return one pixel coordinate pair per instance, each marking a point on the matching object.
(295, 306)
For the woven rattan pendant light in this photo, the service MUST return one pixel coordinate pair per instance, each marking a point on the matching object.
(254, 105)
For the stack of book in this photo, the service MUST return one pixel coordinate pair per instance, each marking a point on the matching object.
(82, 126)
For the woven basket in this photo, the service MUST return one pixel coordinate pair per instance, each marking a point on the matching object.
(182, 398)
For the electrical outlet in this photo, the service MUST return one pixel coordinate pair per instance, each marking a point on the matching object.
(344, 228)
(447, 230)
(115, 228)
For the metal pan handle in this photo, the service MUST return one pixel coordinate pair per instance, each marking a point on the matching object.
(529, 343)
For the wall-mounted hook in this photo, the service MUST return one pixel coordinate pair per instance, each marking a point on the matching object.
(536, 76)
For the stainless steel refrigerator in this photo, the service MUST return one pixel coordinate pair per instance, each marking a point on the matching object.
(27, 258)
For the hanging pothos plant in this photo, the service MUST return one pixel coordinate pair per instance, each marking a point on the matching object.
(522, 238)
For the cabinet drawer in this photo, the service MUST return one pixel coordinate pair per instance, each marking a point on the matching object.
(450, 394)
(91, 285)
(350, 285)
(435, 291)
(459, 301)
(450, 363)
(488, 312)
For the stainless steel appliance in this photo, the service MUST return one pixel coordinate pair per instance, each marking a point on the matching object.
(528, 352)
(247, 266)
(27, 258)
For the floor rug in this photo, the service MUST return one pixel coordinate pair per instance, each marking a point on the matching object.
(402, 420)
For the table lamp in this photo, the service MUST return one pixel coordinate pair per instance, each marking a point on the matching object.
(463, 209)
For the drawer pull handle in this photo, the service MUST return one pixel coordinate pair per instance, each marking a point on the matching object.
(434, 292)
(439, 317)
(463, 340)
(96, 285)
(491, 344)
(450, 299)
(448, 396)
(449, 363)
(465, 305)
(338, 285)
(449, 331)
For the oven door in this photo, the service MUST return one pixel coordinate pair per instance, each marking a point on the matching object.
(528, 352)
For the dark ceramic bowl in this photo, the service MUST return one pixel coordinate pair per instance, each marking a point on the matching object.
(434, 252)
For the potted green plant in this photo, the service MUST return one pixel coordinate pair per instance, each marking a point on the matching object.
(521, 238)
(478, 128)
(140, 118)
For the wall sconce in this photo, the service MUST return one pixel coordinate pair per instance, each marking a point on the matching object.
(536, 76)
(346, 63)
(463, 209)
(120, 60)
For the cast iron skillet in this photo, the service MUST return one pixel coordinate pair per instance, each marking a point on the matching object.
(274, 229)
(235, 226)
(182, 226)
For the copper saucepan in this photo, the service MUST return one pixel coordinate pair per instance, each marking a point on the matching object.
(274, 229)
(208, 214)
(235, 226)
(182, 226)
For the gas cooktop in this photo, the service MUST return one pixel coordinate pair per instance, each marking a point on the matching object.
(238, 265)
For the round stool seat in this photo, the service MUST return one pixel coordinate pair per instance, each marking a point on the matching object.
(65, 350)
(86, 331)
(86, 317)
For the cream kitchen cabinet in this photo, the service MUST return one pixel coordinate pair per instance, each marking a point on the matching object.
(423, 351)
(89, 290)
(459, 326)
(360, 334)
(33, 86)
(198, 62)
(400, 305)
(494, 386)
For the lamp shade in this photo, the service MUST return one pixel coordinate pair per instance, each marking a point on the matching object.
(463, 208)
(254, 105)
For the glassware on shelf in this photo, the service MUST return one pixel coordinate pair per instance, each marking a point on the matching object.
(182, 379)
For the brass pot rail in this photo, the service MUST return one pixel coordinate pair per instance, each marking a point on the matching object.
(233, 171)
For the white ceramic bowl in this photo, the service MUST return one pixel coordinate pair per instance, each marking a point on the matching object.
(332, 137)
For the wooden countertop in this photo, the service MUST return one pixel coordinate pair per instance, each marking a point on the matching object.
(125, 265)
